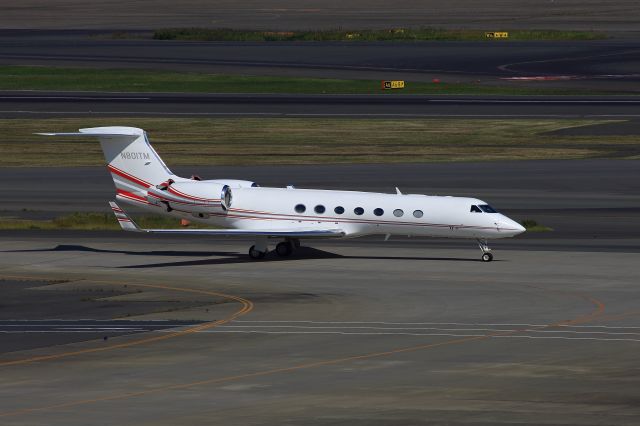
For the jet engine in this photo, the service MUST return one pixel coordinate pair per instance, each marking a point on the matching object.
(189, 196)
(235, 183)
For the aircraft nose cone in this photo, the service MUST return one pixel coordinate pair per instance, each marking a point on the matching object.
(515, 227)
(511, 226)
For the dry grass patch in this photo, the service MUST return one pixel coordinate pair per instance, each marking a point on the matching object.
(251, 141)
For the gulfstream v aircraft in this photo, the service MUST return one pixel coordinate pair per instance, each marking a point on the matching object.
(287, 214)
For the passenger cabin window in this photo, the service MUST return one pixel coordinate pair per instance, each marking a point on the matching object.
(398, 213)
(300, 208)
(475, 209)
(378, 212)
(418, 213)
(319, 209)
(339, 210)
(487, 208)
(359, 211)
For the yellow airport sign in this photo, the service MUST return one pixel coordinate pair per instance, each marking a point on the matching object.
(392, 84)
(497, 34)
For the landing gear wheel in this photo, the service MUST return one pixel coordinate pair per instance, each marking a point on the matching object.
(487, 257)
(256, 254)
(284, 249)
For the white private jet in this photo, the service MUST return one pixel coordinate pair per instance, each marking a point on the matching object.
(290, 214)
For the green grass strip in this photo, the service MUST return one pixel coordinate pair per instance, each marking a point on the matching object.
(394, 34)
(136, 80)
(261, 141)
(532, 226)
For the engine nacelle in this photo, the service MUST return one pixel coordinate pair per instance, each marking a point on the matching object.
(204, 196)
(235, 183)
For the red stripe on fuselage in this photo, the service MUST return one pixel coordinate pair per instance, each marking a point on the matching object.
(191, 197)
(300, 218)
(132, 196)
(188, 203)
(129, 177)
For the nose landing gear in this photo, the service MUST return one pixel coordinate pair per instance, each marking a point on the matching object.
(486, 251)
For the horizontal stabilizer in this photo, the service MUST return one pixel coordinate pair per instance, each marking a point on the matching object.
(123, 219)
(102, 132)
(96, 135)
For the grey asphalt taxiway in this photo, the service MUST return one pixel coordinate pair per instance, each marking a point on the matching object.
(609, 65)
(285, 15)
(408, 331)
(61, 104)
(345, 333)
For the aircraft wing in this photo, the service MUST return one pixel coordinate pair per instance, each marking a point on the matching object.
(129, 225)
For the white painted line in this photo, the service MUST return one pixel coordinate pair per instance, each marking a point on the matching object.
(64, 331)
(96, 325)
(465, 324)
(365, 328)
(53, 320)
(541, 101)
(282, 114)
(492, 330)
(100, 328)
(427, 100)
(421, 335)
(74, 98)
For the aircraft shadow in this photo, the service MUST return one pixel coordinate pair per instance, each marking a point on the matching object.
(68, 247)
(229, 257)
(302, 253)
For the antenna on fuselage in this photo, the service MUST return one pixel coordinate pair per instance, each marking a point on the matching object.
(398, 191)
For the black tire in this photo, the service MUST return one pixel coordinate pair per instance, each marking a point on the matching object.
(284, 249)
(487, 257)
(256, 254)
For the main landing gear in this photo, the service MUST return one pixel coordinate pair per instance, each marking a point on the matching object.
(486, 251)
(283, 249)
(256, 254)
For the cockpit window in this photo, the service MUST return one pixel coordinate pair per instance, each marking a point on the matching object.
(487, 208)
(475, 209)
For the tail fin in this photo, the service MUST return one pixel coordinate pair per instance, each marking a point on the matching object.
(133, 163)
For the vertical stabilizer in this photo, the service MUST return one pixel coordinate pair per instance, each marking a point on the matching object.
(132, 161)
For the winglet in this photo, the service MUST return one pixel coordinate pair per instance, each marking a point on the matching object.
(123, 219)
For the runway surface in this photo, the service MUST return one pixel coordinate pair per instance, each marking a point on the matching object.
(609, 65)
(58, 104)
(347, 333)
(618, 15)
(18, 335)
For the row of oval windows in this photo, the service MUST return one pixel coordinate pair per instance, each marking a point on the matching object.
(320, 209)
